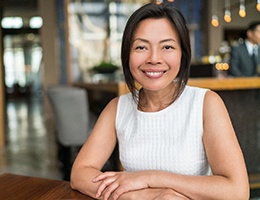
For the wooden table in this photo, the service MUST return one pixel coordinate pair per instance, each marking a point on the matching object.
(24, 187)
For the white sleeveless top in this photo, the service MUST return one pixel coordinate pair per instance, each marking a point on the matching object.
(170, 139)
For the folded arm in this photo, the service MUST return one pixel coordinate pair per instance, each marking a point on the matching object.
(229, 176)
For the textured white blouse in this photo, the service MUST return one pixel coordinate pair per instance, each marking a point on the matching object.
(170, 139)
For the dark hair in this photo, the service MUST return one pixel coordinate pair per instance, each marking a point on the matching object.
(252, 26)
(155, 11)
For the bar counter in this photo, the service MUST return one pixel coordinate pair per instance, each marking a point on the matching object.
(211, 83)
(226, 83)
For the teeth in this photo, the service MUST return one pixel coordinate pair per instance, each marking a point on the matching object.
(154, 73)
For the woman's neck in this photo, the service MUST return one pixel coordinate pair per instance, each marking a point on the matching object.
(152, 101)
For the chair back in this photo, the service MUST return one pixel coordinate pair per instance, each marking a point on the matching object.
(71, 110)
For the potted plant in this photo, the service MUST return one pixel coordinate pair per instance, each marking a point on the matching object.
(105, 67)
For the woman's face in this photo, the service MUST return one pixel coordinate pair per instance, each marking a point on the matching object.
(155, 55)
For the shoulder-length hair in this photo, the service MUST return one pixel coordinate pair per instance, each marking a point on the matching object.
(155, 11)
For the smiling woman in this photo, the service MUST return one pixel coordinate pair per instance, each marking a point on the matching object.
(173, 139)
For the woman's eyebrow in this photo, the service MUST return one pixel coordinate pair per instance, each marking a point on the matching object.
(168, 40)
(162, 41)
(141, 39)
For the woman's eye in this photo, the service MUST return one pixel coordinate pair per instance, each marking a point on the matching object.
(168, 47)
(140, 48)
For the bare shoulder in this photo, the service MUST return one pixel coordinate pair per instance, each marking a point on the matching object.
(215, 113)
(109, 112)
(112, 106)
(212, 97)
(213, 102)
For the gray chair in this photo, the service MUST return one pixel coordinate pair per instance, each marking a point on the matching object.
(73, 123)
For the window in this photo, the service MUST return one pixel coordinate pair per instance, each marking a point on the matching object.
(12, 22)
(36, 22)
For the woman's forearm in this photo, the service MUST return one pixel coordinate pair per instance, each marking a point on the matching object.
(153, 194)
(81, 180)
(201, 187)
(115, 184)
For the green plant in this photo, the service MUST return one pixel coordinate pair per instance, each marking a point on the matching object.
(105, 67)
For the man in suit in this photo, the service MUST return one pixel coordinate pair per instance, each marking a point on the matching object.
(245, 57)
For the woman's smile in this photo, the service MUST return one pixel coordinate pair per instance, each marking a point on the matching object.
(154, 74)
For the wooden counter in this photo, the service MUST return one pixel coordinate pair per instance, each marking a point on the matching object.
(226, 83)
(211, 83)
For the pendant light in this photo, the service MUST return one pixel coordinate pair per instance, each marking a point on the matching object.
(214, 19)
(227, 14)
(258, 5)
(242, 9)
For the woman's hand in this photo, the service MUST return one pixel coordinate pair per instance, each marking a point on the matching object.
(114, 184)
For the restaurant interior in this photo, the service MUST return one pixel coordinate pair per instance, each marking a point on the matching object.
(76, 43)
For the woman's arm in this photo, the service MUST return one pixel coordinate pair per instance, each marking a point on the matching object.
(95, 152)
(153, 194)
(229, 176)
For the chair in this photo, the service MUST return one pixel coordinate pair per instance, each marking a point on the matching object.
(73, 125)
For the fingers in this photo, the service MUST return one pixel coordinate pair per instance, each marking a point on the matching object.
(110, 192)
(103, 176)
(105, 183)
(116, 190)
(110, 187)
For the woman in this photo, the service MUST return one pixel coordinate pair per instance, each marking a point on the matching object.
(175, 141)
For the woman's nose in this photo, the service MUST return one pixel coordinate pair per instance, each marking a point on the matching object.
(154, 57)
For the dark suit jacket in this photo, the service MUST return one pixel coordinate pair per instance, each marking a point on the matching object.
(241, 63)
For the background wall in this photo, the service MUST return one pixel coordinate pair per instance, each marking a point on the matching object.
(49, 36)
